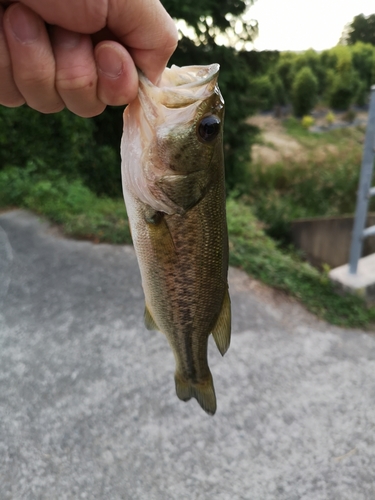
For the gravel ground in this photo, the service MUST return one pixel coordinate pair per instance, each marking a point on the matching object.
(87, 402)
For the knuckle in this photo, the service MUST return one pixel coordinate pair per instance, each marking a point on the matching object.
(65, 83)
(28, 79)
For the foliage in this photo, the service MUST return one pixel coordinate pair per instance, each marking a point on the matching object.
(344, 88)
(264, 90)
(343, 80)
(363, 60)
(285, 68)
(307, 121)
(330, 118)
(344, 75)
(304, 91)
(320, 185)
(71, 204)
(214, 17)
(361, 29)
(62, 142)
(312, 60)
(262, 62)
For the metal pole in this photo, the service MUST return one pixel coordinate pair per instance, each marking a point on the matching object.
(363, 194)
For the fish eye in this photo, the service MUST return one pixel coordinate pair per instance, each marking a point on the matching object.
(209, 128)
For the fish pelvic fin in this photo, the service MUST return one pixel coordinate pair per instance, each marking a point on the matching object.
(203, 392)
(222, 329)
(149, 320)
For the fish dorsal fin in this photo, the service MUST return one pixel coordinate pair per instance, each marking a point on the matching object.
(222, 329)
(149, 320)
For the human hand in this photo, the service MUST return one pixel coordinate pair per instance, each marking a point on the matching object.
(80, 54)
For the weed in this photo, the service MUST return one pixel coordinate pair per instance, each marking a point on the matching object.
(70, 204)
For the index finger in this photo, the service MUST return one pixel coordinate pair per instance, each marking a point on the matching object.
(148, 32)
(143, 26)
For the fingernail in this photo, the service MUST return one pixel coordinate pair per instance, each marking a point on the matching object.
(109, 62)
(66, 39)
(24, 27)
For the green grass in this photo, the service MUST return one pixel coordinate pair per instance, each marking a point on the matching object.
(82, 214)
(78, 211)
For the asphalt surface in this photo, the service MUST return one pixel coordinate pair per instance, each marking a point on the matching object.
(87, 402)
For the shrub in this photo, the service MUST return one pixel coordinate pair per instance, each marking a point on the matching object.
(363, 55)
(307, 121)
(344, 89)
(263, 92)
(285, 69)
(61, 142)
(279, 90)
(304, 92)
(330, 118)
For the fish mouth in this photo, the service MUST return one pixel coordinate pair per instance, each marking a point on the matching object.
(189, 77)
(179, 87)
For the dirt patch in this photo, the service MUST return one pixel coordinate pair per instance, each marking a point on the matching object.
(276, 144)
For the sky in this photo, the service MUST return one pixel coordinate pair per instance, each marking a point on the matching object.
(302, 24)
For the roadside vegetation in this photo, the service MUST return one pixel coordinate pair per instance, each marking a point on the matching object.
(82, 214)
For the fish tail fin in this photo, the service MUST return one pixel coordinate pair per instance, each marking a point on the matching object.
(203, 392)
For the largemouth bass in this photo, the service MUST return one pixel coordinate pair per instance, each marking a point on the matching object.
(173, 183)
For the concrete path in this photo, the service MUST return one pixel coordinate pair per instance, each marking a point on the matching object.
(87, 402)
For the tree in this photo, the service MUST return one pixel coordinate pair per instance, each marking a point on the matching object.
(361, 29)
(364, 62)
(214, 17)
(304, 91)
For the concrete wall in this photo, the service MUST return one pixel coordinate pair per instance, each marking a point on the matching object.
(326, 240)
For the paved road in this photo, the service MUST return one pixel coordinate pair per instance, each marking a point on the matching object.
(87, 403)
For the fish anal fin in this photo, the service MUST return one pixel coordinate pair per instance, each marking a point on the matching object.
(149, 320)
(203, 392)
(222, 329)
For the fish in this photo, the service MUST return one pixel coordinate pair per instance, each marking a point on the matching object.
(173, 178)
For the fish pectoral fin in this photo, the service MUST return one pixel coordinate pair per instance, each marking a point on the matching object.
(185, 190)
(222, 329)
(203, 392)
(149, 320)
